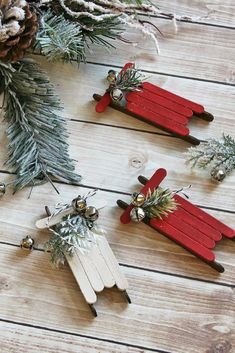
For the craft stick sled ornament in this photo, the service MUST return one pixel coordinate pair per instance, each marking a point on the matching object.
(188, 225)
(150, 103)
(77, 239)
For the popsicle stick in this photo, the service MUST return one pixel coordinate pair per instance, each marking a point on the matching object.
(195, 107)
(52, 221)
(103, 103)
(154, 182)
(205, 217)
(81, 278)
(182, 239)
(215, 265)
(105, 274)
(195, 222)
(190, 231)
(165, 102)
(112, 263)
(127, 66)
(134, 97)
(91, 271)
(191, 139)
(157, 119)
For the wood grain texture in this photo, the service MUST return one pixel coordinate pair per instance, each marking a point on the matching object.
(15, 338)
(134, 245)
(195, 51)
(89, 79)
(180, 305)
(32, 292)
(103, 163)
(212, 12)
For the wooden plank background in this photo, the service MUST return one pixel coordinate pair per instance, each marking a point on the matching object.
(180, 305)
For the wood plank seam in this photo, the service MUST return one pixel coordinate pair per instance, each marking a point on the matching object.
(83, 336)
(143, 268)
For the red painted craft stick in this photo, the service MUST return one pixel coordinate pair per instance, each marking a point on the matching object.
(153, 183)
(182, 239)
(195, 222)
(103, 103)
(127, 66)
(197, 108)
(205, 217)
(190, 231)
(157, 119)
(139, 100)
(178, 108)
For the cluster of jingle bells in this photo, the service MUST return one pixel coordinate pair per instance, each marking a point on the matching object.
(79, 205)
(137, 213)
(116, 94)
(90, 213)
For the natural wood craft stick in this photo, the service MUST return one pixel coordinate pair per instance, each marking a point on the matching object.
(82, 279)
(91, 271)
(98, 260)
(112, 263)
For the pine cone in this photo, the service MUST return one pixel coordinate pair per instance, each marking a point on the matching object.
(18, 25)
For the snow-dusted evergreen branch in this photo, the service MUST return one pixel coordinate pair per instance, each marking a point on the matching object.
(216, 154)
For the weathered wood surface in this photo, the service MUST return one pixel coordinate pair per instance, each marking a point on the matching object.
(195, 51)
(164, 308)
(15, 338)
(71, 84)
(179, 303)
(134, 245)
(217, 12)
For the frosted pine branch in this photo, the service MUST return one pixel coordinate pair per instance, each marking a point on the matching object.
(214, 154)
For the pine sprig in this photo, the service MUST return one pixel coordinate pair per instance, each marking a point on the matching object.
(214, 154)
(38, 148)
(128, 80)
(68, 236)
(60, 39)
(159, 203)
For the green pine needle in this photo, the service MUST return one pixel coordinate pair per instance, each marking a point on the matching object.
(68, 236)
(214, 154)
(38, 148)
(128, 80)
(60, 39)
(159, 203)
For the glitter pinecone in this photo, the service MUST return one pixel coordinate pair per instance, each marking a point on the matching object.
(18, 25)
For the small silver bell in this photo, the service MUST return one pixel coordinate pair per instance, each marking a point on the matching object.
(138, 199)
(137, 214)
(27, 243)
(2, 189)
(91, 213)
(79, 204)
(218, 174)
(116, 95)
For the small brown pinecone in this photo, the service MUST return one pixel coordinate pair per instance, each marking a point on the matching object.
(18, 26)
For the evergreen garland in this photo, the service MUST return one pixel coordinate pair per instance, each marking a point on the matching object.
(38, 148)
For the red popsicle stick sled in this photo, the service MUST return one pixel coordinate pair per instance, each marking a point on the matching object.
(158, 107)
(189, 226)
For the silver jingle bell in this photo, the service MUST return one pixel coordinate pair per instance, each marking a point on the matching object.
(116, 95)
(27, 243)
(79, 204)
(137, 214)
(218, 174)
(2, 189)
(138, 199)
(91, 213)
